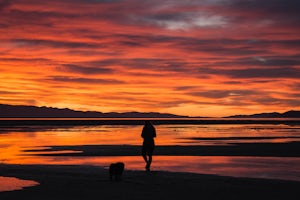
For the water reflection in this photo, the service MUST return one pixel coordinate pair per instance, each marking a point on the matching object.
(12, 183)
(14, 140)
(238, 166)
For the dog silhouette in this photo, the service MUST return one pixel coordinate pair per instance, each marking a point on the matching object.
(116, 170)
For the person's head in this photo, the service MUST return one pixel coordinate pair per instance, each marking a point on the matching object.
(147, 122)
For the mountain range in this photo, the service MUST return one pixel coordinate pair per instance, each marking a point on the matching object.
(22, 111)
(288, 114)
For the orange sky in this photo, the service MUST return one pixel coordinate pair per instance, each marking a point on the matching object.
(197, 58)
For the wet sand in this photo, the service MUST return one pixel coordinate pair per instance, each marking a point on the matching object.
(90, 182)
(289, 149)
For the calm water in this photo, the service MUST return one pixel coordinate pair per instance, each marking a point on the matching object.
(12, 183)
(15, 139)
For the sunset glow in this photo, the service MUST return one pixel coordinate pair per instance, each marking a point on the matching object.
(197, 58)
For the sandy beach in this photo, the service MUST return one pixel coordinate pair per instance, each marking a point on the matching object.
(90, 182)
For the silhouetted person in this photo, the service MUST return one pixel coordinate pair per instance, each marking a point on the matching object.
(148, 134)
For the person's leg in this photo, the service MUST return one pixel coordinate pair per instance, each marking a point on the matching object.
(147, 166)
(149, 162)
(149, 153)
(144, 154)
(145, 157)
(149, 159)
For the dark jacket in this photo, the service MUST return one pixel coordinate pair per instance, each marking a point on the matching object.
(148, 133)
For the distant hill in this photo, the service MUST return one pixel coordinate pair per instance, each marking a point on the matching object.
(20, 111)
(288, 114)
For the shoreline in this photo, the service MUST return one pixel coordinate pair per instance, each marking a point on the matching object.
(88, 182)
(289, 149)
(239, 160)
(140, 121)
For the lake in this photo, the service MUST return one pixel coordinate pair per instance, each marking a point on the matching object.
(183, 145)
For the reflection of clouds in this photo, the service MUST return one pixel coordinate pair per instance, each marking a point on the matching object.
(29, 130)
(5, 145)
(110, 138)
(12, 183)
(254, 167)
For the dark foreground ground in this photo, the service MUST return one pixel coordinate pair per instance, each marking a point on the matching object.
(89, 182)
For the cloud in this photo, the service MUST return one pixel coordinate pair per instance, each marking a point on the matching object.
(269, 13)
(4, 4)
(96, 1)
(276, 101)
(181, 56)
(270, 6)
(66, 79)
(218, 94)
(276, 72)
(86, 70)
(8, 92)
(182, 20)
(141, 64)
(260, 61)
(269, 61)
(270, 72)
(26, 60)
(51, 43)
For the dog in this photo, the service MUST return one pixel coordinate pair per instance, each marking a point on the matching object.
(116, 170)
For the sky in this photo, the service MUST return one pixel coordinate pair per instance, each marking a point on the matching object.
(208, 58)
